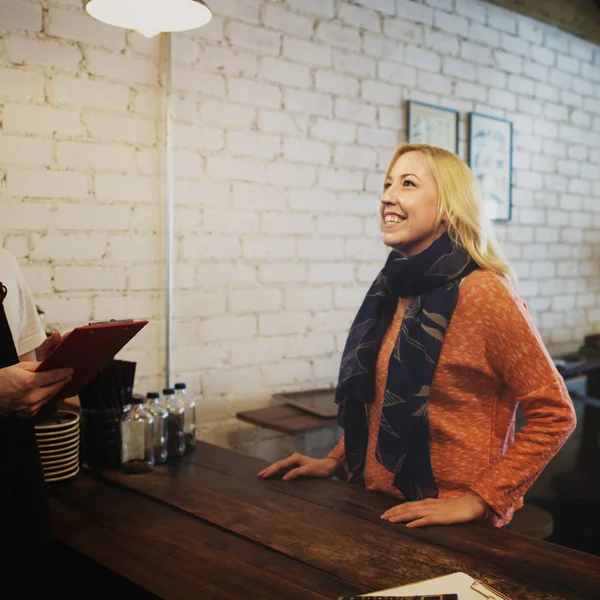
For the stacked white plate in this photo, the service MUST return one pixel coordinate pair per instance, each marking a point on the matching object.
(58, 443)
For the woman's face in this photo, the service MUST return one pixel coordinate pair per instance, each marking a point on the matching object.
(409, 206)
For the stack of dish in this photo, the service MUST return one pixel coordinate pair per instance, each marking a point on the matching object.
(58, 442)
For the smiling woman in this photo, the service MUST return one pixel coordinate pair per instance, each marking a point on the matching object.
(449, 199)
(438, 357)
(409, 205)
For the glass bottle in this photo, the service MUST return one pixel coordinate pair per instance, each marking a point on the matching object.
(175, 424)
(137, 438)
(160, 414)
(189, 405)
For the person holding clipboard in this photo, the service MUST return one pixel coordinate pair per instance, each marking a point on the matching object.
(26, 556)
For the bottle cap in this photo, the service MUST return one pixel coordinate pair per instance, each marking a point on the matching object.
(168, 391)
(180, 386)
(152, 395)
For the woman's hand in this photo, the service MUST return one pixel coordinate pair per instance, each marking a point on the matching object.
(437, 512)
(23, 392)
(305, 467)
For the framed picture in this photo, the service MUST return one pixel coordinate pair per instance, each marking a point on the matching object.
(433, 125)
(490, 157)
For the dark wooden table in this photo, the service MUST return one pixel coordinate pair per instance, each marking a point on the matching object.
(285, 419)
(207, 527)
(297, 413)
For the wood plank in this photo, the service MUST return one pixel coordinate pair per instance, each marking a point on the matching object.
(313, 534)
(319, 402)
(494, 546)
(175, 556)
(285, 419)
(345, 545)
(592, 364)
(585, 400)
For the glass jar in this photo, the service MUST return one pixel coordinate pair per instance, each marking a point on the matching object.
(175, 424)
(101, 438)
(189, 405)
(160, 414)
(137, 439)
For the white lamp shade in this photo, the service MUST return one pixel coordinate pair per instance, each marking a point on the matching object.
(150, 17)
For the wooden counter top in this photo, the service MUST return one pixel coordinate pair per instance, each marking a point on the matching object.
(207, 527)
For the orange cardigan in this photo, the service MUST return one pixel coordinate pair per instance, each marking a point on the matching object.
(492, 359)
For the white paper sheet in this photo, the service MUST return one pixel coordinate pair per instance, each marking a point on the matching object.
(456, 583)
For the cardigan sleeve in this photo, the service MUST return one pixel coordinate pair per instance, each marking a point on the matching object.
(517, 355)
(339, 451)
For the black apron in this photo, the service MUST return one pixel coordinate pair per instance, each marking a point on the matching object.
(25, 540)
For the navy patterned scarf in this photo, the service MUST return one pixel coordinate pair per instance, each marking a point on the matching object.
(433, 277)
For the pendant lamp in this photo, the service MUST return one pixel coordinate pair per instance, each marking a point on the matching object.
(151, 17)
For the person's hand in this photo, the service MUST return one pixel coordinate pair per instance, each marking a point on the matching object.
(305, 467)
(23, 392)
(45, 349)
(437, 511)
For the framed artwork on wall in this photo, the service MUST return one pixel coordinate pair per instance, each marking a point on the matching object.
(433, 125)
(490, 158)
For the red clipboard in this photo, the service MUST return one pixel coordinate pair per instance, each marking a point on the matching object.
(87, 350)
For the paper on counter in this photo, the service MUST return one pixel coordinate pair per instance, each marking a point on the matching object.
(456, 583)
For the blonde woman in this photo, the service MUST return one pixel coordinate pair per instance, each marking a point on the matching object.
(438, 357)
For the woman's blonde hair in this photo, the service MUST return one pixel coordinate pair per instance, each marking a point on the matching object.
(461, 205)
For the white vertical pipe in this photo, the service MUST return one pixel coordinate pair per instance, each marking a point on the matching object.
(169, 200)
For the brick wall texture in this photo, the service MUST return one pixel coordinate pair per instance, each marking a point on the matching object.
(580, 17)
(285, 116)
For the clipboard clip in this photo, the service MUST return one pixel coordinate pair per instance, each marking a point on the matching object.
(111, 322)
(487, 592)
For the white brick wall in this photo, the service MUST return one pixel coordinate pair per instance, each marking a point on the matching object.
(286, 113)
(329, 85)
(74, 164)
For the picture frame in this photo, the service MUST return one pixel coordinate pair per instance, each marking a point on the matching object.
(433, 125)
(490, 159)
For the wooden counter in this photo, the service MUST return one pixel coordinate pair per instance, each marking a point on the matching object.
(209, 528)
